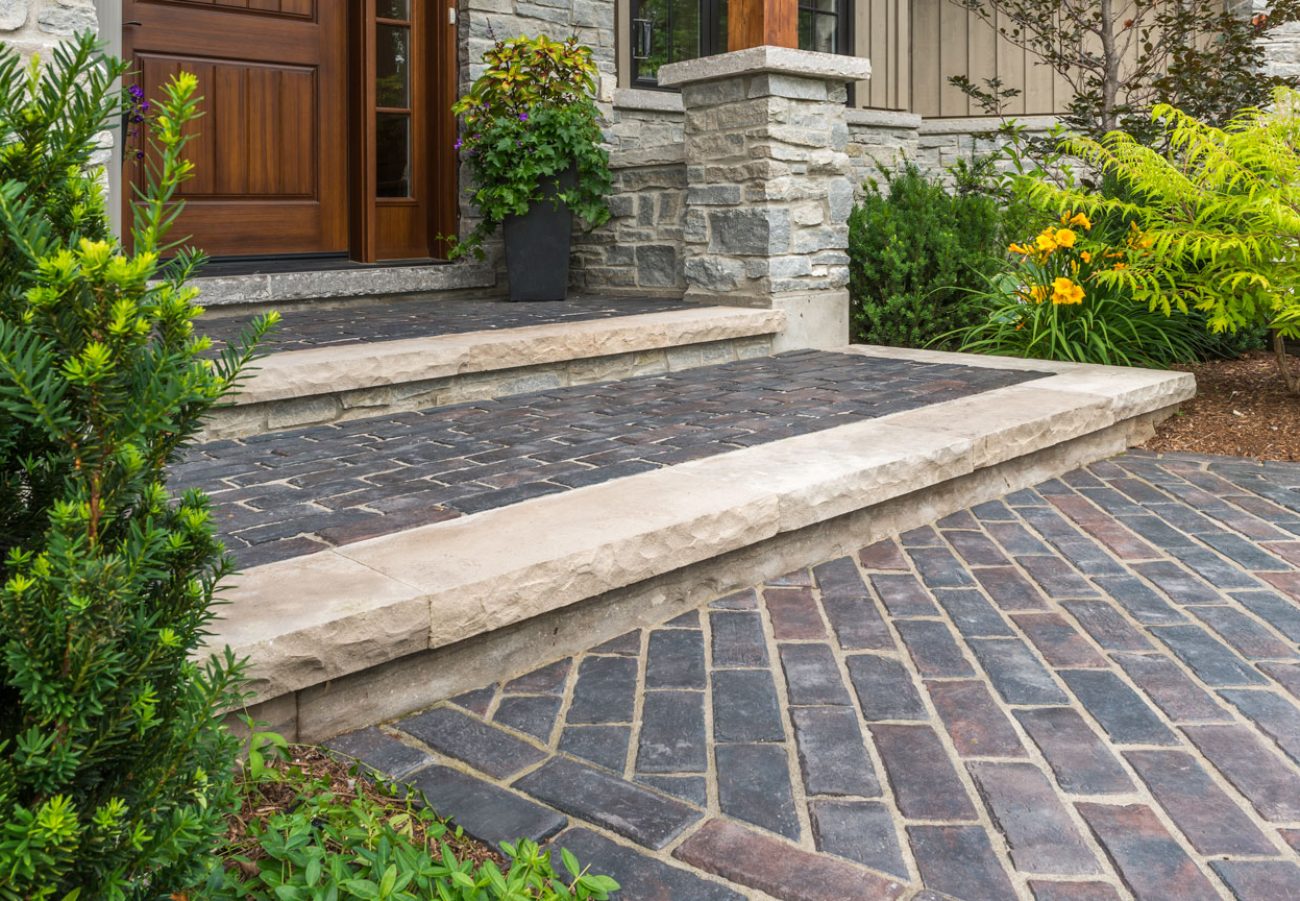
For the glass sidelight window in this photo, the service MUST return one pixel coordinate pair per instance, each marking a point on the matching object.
(393, 98)
(668, 31)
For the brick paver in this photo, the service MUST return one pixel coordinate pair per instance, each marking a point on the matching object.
(387, 319)
(1124, 723)
(283, 494)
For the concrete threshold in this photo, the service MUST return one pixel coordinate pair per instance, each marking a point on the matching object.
(350, 381)
(372, 630)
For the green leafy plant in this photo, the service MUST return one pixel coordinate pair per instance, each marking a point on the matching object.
(1059, 304)
(321, 843)
(114, 768)
(912, 244)
(1219, 212)
(531, 134)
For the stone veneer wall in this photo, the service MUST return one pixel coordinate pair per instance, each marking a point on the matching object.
(33, 26)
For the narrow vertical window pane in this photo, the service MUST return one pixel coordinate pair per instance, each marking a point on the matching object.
(666, 31)
(824, 34)
(392, 65)
(393, 155)
(392, 9)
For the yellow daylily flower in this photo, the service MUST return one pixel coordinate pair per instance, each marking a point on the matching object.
(1046, 242)
(1066, 291)
(1086, 256)
(1079, 220)
(1065, 237)
(1037, 293)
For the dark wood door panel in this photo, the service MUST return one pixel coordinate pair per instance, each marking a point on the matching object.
(269, 150)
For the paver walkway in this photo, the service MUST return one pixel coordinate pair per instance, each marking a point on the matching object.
(1090, 690)
(384, 319)
(283, 494)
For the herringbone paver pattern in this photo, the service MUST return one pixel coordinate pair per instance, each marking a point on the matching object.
(1087, 690)
(283, 494)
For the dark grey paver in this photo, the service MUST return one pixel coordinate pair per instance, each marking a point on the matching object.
(1009, 589)
(486, 748)
(959, 861)
(1272, 713)
(1139, 600)
(675, 659)
(884, 688)
(754, 786)
(811, 675)
(849, 607)
(635, 812)
(638, 874)
(1047, 890)
(738, 639)
(1107, 626)
(1250, 639)
(1174, 693)
(1212, 821)
(861, 831)
(1059, 642)
(1026, 808)
(1151, 863)
(549, 679)
(745, 707)
(380, 752)
(832, 753)
(1282, 614)
(977, 725)
(972, 614)
(1179, 585)
(1259, 880)
(694, 789)
(1256, 771)
(1212, 661)
(1126, 717)
(488, 813)
(925, 784)
(605, 691)
(534, 715)
(1080, 760)
(902, 594)
(939, 568)
(673, 737)
(933, 649)
(1015, 672)
(603, 745)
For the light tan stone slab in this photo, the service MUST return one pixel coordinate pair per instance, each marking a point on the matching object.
(307, 620)
(325, 370)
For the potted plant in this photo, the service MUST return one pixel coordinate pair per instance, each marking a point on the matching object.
(531, 137)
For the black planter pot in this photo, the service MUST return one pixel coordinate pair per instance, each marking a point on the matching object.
(537, 246)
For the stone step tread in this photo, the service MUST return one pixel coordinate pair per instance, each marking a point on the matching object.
(347, 609)
(402, 349)
(289, 493)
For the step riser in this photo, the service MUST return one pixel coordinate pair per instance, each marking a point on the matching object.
(243, 420)
(418, 680)
(309, 287)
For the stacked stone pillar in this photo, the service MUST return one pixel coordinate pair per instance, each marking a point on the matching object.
(768, 193)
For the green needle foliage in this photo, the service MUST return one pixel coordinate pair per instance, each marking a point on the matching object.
(1219, 212)
(115, 772)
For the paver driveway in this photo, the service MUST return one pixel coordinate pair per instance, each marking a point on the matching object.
(1086, 690)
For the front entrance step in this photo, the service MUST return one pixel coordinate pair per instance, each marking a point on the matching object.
(281, 289)
(366, 631)
(382, 357)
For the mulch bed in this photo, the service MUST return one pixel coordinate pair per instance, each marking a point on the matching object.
(1241, 409)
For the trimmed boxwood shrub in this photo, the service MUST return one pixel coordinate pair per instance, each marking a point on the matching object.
(915, 251)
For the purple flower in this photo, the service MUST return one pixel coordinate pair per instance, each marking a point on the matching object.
(459, 144)
(523, 117)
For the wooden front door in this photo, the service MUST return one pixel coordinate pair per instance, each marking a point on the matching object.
(271, 163)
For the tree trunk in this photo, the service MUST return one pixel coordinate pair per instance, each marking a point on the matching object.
(1110, 62)
(1289, 371)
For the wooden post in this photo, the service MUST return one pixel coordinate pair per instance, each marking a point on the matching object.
(755, 23)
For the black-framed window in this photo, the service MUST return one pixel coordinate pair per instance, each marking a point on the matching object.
(669, 31)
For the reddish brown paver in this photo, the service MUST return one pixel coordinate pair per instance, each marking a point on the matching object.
(907, 722)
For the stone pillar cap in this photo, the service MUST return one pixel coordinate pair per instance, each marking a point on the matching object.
(759, 60)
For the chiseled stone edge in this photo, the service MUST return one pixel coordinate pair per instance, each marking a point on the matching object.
(436, 585)
(272, 287)
(337, 368)
(757, 60)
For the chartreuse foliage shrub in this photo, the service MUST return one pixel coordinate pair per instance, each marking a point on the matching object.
(913, 246)
(1060, 303)
(115, 773)
(1219, 215)
(526, 121)
(317, 846)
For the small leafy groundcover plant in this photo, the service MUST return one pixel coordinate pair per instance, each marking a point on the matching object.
(115, 770)
(1219, 210)
(1058, 303)
(527, 121)
(320, 843)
